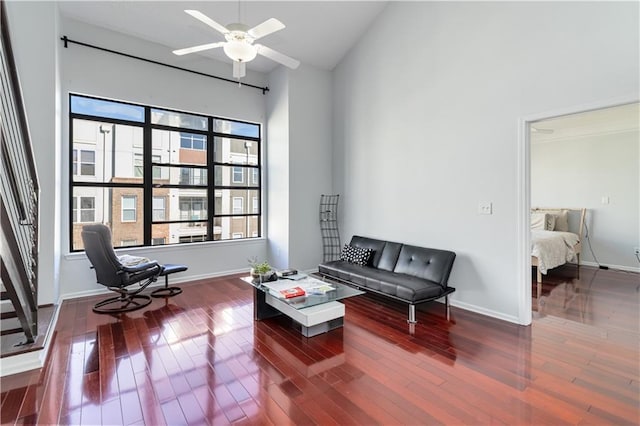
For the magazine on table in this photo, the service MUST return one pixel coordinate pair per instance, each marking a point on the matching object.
(320, 289)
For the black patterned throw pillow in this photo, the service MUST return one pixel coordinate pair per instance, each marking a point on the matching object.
(356, 255)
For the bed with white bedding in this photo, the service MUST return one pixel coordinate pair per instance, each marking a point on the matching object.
(552, 242)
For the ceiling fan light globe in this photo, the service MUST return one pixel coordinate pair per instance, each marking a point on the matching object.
(240, 51)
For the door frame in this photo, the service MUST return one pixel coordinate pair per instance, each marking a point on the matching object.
(524, 191)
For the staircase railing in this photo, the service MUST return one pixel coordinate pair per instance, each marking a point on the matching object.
(19, 197)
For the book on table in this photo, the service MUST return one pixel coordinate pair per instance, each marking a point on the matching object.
(288, 293)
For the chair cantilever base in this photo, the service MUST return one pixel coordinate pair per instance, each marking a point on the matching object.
(166, 292)
(124, 303)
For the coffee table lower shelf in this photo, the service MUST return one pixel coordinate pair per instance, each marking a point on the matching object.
(309, 321)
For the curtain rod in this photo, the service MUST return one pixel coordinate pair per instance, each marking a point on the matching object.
(67, 40)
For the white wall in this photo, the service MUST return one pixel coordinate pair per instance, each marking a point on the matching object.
(310, 163)
(578, 172)
(300, 155)
(426, 111)
(278, 172)
(36, 56)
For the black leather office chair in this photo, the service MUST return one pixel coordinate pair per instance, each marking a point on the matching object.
(114, 275)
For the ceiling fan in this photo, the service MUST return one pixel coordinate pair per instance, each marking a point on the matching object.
(240, 46)
(541, 131)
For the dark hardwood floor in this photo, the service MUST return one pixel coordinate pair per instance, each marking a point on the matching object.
(199, 358)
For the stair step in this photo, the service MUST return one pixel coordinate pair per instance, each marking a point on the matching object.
(7, 315)
(11, 331)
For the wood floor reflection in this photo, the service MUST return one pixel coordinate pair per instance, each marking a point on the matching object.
(199, 358)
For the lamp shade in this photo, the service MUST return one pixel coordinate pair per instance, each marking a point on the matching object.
(240, 51)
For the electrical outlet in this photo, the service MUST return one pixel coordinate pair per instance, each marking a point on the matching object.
(636, 251)
(485, 207)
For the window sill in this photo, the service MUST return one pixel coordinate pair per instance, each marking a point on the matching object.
(147, 250)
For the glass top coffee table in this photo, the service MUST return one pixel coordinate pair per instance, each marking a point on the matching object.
(315, 312)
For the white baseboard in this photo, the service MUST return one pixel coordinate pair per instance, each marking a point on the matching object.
(484, 311)
(616, 267)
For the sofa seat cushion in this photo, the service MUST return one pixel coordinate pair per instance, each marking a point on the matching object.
(341, 269)
(402, 286)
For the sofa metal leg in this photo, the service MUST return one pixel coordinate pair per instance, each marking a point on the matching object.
(446, 304)
(412, 314)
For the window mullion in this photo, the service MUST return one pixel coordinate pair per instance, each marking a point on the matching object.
(211, 195)
(147, 177)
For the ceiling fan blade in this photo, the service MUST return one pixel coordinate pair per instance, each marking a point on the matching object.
(199, 48)
(277, 56)
(239, 69)
(206, 20)
(267, 27)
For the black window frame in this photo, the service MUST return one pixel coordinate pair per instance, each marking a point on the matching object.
(150, 166)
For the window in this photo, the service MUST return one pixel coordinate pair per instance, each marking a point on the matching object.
(156, 171)
(237, 205)
(192, 208)
(86, 212)
(192, 238)
(238, 173)
(158, 208)
(125, 243)
(236, 235)
(193, 141)
(129, 208)
(204, 183)
(138, 165)
(84, 162)
(192, 176)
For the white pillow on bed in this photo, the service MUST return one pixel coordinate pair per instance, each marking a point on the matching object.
(562, 220)
(543, 221)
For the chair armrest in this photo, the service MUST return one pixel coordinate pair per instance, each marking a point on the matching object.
(140, 267)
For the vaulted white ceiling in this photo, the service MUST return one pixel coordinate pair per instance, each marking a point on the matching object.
(317, 33)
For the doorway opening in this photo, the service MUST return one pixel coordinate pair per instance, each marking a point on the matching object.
(582, 158)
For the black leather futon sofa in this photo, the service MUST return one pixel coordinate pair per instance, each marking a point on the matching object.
(399, 271)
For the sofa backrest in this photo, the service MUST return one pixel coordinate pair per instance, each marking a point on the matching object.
(427, 263)
(431, 264)
(376, 245)
(389, 256)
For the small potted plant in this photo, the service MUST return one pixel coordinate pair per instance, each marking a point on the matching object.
(260, 271)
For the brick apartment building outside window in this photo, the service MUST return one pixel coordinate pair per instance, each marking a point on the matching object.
(158, 176)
